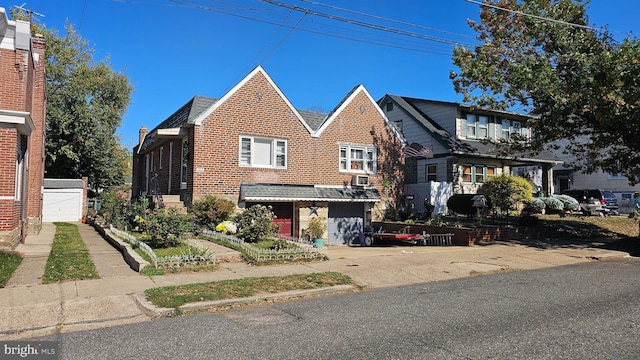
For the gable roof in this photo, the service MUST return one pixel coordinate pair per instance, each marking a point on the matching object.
(186, 114)
(360, 89)
(258, 70)
(453, 143)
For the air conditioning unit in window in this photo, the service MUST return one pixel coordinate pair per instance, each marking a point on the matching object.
(360, 180)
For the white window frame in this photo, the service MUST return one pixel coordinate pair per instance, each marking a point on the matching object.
(20, 158)
(472, 130)
(482, 127)
(506, 129)
(349, 161)
(184, 163)
(160, 153)
(278, 152)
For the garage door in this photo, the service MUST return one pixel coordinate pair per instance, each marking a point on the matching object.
(61, 205)
(345, 221)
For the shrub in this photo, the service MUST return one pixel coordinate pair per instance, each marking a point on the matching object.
(113, 209)
(568, 203)
(256, 223)
(553, 204)
(462, 204)
(211, 210)
(167, 226)
(507, 192)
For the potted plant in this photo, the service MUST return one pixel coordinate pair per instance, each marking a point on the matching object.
(316, 230)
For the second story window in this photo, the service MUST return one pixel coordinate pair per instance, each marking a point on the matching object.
(356, 158)
(471, 126)
(263, 152)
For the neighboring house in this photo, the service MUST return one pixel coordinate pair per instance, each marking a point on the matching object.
(22, 130)
(460, 136)
(566, 177)
(253, 147)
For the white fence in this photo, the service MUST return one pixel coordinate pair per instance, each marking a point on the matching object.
(167, 262)
(303, 251)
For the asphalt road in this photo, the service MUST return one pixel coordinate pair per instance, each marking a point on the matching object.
(587, 311)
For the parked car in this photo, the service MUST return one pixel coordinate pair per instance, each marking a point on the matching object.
(604, 197)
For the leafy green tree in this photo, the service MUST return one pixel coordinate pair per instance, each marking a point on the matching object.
(85, 107)
(507, 192)
(579, 83)
(85, 104)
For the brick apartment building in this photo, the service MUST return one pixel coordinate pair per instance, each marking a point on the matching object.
(253, 147)
(22, 130)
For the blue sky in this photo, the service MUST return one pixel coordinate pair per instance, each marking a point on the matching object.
(172, 51)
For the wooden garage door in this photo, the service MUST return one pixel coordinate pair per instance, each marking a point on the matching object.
(61, 205)
(345, 221)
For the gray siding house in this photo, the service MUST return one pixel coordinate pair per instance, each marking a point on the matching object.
(460, 138)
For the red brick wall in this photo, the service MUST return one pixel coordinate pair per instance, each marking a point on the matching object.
(257, 109)
(37, 105)
(23, 89)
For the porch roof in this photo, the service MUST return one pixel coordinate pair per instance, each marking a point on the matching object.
(285, 192)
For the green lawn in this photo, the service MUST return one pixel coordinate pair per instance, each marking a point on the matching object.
(8, 265)
(175, 296)
(69, 258)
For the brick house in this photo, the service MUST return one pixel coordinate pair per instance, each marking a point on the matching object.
(253, 147)
(460, 138)
(22, 130)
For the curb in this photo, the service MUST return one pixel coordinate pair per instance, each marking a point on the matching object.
(154, 312)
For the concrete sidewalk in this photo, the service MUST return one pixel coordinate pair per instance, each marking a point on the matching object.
(29, 309)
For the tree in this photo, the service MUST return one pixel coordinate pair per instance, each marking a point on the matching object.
(580, 85)
(85, 105)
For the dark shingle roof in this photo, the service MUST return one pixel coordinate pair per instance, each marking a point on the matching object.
(286, 192)
(313, 119)
(189, 111)
(63, 184)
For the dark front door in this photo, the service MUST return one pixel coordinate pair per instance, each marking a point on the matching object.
(284, 216)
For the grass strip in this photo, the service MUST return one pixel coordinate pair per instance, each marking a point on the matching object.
(8, 264)
(69, 258)
(175, 296)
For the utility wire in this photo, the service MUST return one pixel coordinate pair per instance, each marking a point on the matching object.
(387, 19)
(534, 16)
(366, 24)
(271, 22)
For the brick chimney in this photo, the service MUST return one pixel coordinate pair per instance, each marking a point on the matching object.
(143, 133)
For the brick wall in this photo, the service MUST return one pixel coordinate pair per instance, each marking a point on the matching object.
(23, 89)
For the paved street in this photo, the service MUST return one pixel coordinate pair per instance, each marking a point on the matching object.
(584, 311)
(30, 309)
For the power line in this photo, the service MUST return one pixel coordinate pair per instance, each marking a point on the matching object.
(313, 31)
(533, 16)
(366, 24)
(387, 19)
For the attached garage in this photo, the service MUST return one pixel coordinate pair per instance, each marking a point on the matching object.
(346, 219)
(63, 200)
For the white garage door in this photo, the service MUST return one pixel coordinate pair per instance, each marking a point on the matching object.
(61, 205)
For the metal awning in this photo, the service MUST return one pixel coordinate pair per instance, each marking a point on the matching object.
(284, 192)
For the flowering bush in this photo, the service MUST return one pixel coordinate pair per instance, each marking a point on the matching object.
(256, 223)
(212, 210)
(227, 227)
(167, 226)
